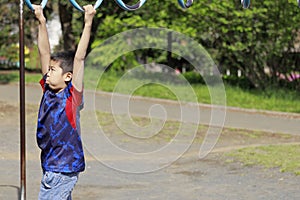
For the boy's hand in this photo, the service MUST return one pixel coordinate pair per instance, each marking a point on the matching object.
(89, 13)
(38, 11)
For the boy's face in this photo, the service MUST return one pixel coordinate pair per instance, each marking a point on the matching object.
(55, 77)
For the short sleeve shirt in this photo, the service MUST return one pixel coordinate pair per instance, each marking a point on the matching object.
(58, 130)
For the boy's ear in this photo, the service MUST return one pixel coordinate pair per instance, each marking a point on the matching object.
(68, 76)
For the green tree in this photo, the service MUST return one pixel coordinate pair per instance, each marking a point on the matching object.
(251, 40)
(263, 38)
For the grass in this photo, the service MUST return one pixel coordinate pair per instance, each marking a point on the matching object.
(284, 157)
(13, 76)
(156, 87)
(274, 100)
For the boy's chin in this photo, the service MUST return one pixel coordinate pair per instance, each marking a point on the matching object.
(52, 87)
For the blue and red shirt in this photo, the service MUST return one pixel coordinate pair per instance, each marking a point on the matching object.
(58, 130)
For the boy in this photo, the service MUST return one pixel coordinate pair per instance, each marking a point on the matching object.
(58, 130)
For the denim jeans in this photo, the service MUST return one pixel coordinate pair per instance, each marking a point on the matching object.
(57, 186)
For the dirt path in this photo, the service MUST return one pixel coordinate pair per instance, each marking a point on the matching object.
(276, 122)
(188, 177)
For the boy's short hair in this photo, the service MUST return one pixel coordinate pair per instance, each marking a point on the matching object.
(66, 60)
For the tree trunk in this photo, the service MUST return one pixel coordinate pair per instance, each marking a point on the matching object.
(65, 16)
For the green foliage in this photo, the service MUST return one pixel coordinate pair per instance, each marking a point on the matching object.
(193, 77)
(9, 38)
(250, 39)
(246, 39)
(9, 30)
(8, 77)
(241, 82)
(9, 23)
(33, 60)
(265, 36)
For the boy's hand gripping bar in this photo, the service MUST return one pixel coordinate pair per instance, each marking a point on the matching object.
(29, 4)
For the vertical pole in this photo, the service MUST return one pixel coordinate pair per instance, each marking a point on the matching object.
(22, 105)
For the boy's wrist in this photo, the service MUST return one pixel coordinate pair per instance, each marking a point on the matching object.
(88, 25)
(42, 21)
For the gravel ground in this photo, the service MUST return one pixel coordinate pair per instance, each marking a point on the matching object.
(187, 177)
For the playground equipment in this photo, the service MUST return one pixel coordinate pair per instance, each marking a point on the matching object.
(245, 3)
(139, 4)
(123, 5)
(43, 4)
(183, 4)
(22, 190)
(119, 2)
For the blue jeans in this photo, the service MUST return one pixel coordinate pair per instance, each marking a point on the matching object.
(57, 186)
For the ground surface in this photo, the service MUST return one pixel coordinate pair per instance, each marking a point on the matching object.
(186, 177)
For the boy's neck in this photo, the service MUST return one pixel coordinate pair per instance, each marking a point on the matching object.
(58, 90)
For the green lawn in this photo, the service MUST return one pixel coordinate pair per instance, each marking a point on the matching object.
(284, 157)
(276, 100)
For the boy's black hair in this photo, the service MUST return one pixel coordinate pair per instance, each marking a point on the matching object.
(66, 60)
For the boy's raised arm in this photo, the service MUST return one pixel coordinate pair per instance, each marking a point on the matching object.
(43, 39)
(78, 68)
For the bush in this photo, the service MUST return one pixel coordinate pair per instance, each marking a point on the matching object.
(193, 77)
(241, 82)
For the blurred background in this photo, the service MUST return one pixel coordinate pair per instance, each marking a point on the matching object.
(257, 50)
